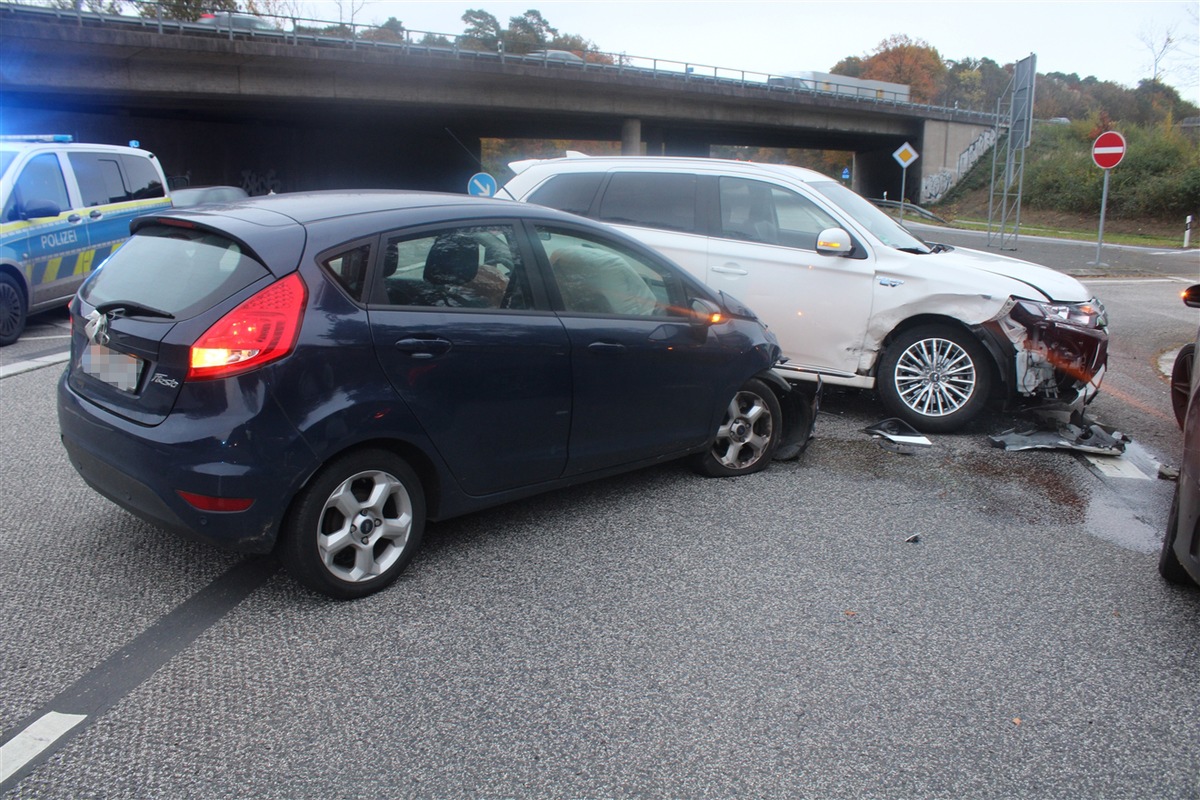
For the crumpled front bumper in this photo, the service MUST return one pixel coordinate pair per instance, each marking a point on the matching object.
(1049, 362)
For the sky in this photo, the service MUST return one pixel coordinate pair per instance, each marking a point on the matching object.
(1096, 37)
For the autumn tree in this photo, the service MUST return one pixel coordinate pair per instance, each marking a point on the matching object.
(899, 59)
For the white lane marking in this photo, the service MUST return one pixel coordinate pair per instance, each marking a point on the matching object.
(1110, 281)
(40, 734)
(37, 363)
(1116, 467)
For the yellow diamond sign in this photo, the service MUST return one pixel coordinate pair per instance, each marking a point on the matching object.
(906, 155)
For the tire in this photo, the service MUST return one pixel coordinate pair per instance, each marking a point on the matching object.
(748, 434)
(935, 377)
(1168, 563)
(1181, 381)
(12, 310)
(356, 525)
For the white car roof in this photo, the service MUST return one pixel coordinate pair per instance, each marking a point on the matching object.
(578, 162)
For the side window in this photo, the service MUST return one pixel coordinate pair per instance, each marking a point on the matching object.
(594, 276)
(465, 267)
(99, 176)
(759, 212)
(653, 200)
(40, 182)
(350, 270)
(144, 180)
(572, 192)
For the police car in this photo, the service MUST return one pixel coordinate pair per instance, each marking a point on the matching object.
(65, 208)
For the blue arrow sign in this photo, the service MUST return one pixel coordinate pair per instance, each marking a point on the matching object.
(481, 185)
(845, 173)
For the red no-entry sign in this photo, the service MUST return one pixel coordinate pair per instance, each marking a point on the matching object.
(1108, 149)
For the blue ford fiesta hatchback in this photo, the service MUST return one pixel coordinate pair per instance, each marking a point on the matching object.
(319, 374)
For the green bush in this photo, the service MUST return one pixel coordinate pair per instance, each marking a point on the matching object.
(1158, 178)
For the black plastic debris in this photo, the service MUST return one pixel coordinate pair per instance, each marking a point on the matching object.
(897, 436)
(1080, 434)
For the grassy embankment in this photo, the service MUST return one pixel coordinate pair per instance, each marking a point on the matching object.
(1150, 194)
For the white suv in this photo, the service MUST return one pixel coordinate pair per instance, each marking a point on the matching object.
(853, 297)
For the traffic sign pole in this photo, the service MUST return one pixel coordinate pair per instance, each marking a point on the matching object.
(905, 156)
(1107, 151)
(1103, 209)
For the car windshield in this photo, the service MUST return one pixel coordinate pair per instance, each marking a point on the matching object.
(864, 212)
(6, 159)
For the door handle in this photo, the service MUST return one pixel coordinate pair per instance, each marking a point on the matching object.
(730, 269)
(611, 348)
(423, 348)
(96, 214)
(74, 218)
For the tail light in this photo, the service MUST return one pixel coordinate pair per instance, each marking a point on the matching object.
(262, 329)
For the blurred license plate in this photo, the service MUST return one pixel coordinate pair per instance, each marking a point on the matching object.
(116, 369)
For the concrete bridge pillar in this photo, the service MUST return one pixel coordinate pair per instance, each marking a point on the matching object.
(631, 137)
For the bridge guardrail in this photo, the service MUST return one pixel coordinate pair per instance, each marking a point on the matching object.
(328, 33)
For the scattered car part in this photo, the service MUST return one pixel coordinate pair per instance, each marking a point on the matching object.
(897, 436)
(1082, 435)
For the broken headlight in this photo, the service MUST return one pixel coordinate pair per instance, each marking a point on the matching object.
(1086, 315)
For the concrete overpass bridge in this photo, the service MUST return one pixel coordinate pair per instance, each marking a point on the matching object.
(287, 111)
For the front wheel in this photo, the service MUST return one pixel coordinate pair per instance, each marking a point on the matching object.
(747, 436)
(935, 377)
(356, 525)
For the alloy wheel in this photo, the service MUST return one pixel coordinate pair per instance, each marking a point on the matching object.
(935, 377)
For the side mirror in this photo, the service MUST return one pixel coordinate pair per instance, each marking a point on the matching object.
(834, 242)
(706, 312)
(1191, 296)
(38, 209)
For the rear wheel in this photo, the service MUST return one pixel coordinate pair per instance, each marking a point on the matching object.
(12, 310)
(748, 435)
(935, 377)
(1181, 380)
(355, 526)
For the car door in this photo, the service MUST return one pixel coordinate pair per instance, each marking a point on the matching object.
(483, 365)
(765, 255)
(645, 374)
(115, 188)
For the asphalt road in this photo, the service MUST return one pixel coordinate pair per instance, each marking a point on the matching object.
(653, 635)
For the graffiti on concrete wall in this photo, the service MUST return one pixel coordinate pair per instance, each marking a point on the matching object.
(256, 184)
(934, 187)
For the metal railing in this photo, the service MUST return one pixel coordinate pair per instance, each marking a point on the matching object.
(295, 30)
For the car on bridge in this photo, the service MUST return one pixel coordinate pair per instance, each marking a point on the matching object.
(319, 373)
(854, 297)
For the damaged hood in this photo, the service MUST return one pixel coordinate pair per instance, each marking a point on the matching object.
(1035, 278)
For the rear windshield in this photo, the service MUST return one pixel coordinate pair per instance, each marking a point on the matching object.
(178, 271)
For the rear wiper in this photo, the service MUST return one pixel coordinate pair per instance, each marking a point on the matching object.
(126, 308)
